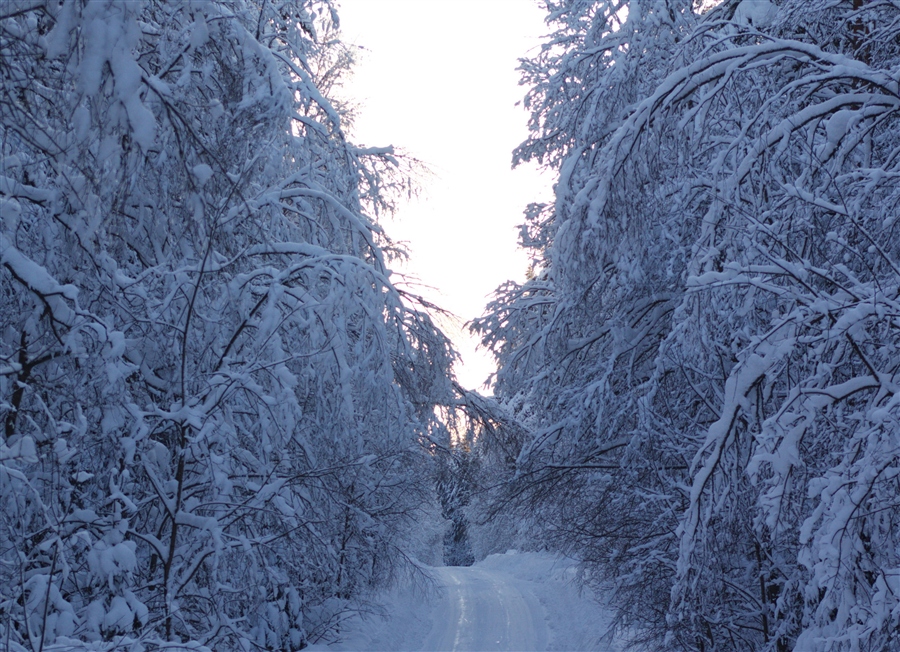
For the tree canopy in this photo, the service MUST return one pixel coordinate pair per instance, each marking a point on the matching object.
(214, 399)
(707, 358)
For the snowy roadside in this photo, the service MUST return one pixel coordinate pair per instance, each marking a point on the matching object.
(574, 619)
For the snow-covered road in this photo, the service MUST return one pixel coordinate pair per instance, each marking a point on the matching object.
(515, 601)
(484, 609)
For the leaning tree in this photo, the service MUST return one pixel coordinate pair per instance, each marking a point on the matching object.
(213, 396)
(707, 358)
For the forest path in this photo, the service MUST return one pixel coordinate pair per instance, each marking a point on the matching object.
(515, 601)
(483, 609)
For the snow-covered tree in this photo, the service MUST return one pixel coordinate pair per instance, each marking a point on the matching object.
(212, 394)
(707, 358)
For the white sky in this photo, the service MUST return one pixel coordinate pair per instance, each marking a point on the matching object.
(438, 79)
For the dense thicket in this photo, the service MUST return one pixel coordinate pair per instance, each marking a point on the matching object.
(212, 396)
(707, 357)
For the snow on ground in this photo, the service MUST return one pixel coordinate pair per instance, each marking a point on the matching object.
(512, 601)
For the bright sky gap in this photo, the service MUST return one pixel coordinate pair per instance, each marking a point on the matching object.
(454, 107)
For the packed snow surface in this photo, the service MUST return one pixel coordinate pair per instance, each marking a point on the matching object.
(515, 601)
